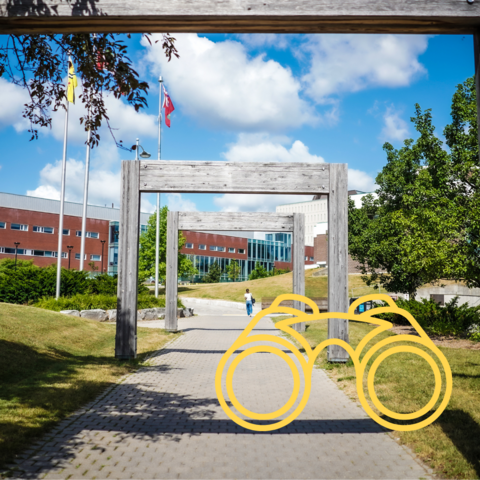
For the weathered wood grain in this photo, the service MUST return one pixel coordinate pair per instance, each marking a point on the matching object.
(236, 221)
(234, 177)
(237, 16)
(298, 255)
(338, 258)
(129, 228)
(171, 282)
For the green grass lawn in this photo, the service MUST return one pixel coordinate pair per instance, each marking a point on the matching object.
(50, 365)
(404, 383)
(271, 287)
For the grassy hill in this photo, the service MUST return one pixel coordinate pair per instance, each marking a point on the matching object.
(271, 287)
(50, 365)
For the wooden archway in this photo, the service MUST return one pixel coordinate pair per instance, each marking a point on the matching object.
(230, 177)
(239, 222)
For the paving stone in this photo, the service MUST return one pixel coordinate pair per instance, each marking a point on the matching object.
(164, 421)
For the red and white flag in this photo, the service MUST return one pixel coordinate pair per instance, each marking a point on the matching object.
(168, 106)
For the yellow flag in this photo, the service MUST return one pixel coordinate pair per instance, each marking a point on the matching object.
(72, 82)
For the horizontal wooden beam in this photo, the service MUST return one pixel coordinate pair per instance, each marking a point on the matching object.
(236, 221)
(234, 177)
(237, 16)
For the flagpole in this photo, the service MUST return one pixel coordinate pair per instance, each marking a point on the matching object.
(62, 198)
(157, 235)
(85, 197)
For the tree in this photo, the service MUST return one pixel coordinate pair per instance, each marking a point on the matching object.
(214, 273)
(234, 270)
(38, 63)
(93, 266)
(259, 272)
(146, 261)
(424, 226)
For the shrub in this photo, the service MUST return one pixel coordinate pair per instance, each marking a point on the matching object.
(29, 283)
(452, 319)
(89, 302)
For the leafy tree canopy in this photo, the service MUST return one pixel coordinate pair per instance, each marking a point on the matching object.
(234, 270)
(214, 273)
(38, 63)
(259, 272)
(146, 262)
(425, 224)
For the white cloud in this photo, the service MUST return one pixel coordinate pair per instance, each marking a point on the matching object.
(220, 85)
(359, 180)
(13, 99)
(350, 63)
(176, 203)
(103, 189)
(264, 148)
(395, 128)
(269, 40)
(256, 203)
(124, 120)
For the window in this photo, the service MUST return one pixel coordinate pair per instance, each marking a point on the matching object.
(66, 231)
(43, 229)
(241, 251)
(213, 248)
(220, 249)
(3, 225)
(18, 226)
(20, 251)
(306, 258)
(231, 250)
(77, 256)
(311, 259)
(189, 245)
(202, 247)
(87, 234)
(95, 258)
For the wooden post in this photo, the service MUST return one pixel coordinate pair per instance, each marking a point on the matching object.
(476, 53)
(171, 285)
(298, 255)
(129, 229)
(337, 238)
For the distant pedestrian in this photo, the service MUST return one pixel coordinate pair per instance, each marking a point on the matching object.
(248, 300)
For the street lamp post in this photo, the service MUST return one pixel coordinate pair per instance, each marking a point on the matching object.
(16, 248)
(69, 254)
(103, 243)
(137, 148)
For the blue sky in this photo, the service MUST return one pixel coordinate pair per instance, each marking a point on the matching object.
(314, 98)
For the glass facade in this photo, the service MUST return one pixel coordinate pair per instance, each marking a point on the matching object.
(276, 248)
(113, 246)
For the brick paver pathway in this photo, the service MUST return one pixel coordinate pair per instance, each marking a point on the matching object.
(165, 422)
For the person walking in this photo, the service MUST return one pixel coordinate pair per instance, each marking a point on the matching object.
(248, 300)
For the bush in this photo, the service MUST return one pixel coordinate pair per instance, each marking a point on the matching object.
(452, 319)
(29, 283)
(105, 302)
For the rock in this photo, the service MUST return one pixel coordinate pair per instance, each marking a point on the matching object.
(96, 314)
(161, 316)
(187, 312)
(147, 314)
(112, 315)
(73, 313)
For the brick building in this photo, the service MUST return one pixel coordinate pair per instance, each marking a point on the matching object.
(33, 224)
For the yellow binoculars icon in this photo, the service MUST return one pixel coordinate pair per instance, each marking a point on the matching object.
(307, 364)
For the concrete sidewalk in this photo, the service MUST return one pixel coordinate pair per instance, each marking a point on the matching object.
(165, 422)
